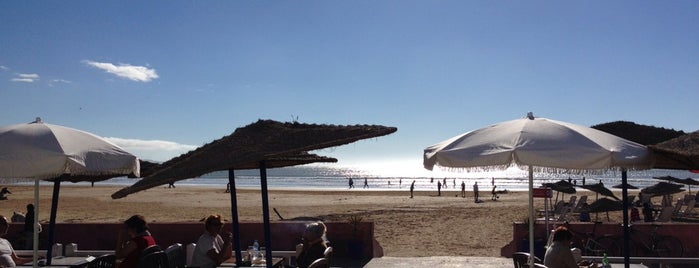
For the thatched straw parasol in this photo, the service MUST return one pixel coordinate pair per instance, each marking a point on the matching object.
(599, 188)
(662, 188)
(678, 153)
(260, 141)
(264, 144)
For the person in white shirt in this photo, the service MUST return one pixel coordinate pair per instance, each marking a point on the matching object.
(8, 257)
(212, 249)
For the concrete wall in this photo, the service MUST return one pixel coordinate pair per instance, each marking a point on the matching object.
(685, 232)
(345, 240)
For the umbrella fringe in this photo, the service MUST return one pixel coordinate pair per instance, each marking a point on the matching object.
(536, 169)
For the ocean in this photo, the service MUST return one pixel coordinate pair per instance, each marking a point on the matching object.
(332, 177)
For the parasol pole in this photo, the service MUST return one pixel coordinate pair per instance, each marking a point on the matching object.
(265, 214)
(531, 217)
(35, 245)
(234, 218)
(52, 219)
(625, 208)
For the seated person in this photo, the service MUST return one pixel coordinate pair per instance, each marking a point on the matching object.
(585, 212)
(634, 214)
(559, 254)
(8, 256)
(313, 244)
(132, 240)
(647, 212)
(212, 249)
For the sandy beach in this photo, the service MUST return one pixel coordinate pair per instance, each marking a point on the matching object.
(426, 225)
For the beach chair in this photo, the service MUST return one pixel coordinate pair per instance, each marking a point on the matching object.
(689, 210)
(175, 256)
(104, 261)
(521, 259)
(677, 208)
(583, 200)
(688, 197)
(667, 200)
(571, 202)
(665, 214)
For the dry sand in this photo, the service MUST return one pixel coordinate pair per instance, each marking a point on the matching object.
(427, 225)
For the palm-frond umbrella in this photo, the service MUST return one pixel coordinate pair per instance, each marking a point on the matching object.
(262, 145)
(599, 188)
(540, 144)
(41, 151)
(687, 181)
(605, 205)
(561, 186)
(662, 188)
(628, 186)
(679, 153)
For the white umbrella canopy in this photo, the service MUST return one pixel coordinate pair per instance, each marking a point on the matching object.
(540, 144)
(42, 151)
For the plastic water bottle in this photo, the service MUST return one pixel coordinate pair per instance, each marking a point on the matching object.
(605, 261)
(255, 248)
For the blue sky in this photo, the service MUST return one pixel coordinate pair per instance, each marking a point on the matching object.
(163, 77)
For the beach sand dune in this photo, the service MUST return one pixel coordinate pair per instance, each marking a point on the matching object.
(427, 225)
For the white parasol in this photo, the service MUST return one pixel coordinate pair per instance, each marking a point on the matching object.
(541, 145)
(42, 151)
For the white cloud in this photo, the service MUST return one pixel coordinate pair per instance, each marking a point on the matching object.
(134, 73)
(3, 68)
(27, 78)
(157, 150)
(56, 81)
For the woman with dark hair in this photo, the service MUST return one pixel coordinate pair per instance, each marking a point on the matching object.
(559, 255)
(133, 239)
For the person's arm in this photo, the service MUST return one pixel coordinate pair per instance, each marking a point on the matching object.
(226, 250)
(124, 245)
(20, 260)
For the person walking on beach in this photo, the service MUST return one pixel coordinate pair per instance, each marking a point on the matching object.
(475, 192)
(400, 182)
(463, 189)
(439, 188)
(351, 183)
(492, 181)
(366, 183)
(412, 187)
(494, 193)
(444, 183)
(454, 182)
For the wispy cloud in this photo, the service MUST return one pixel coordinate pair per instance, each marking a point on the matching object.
(53, 82)
(4, 68)
(128, 71)
(26, 78)
(152, 149)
